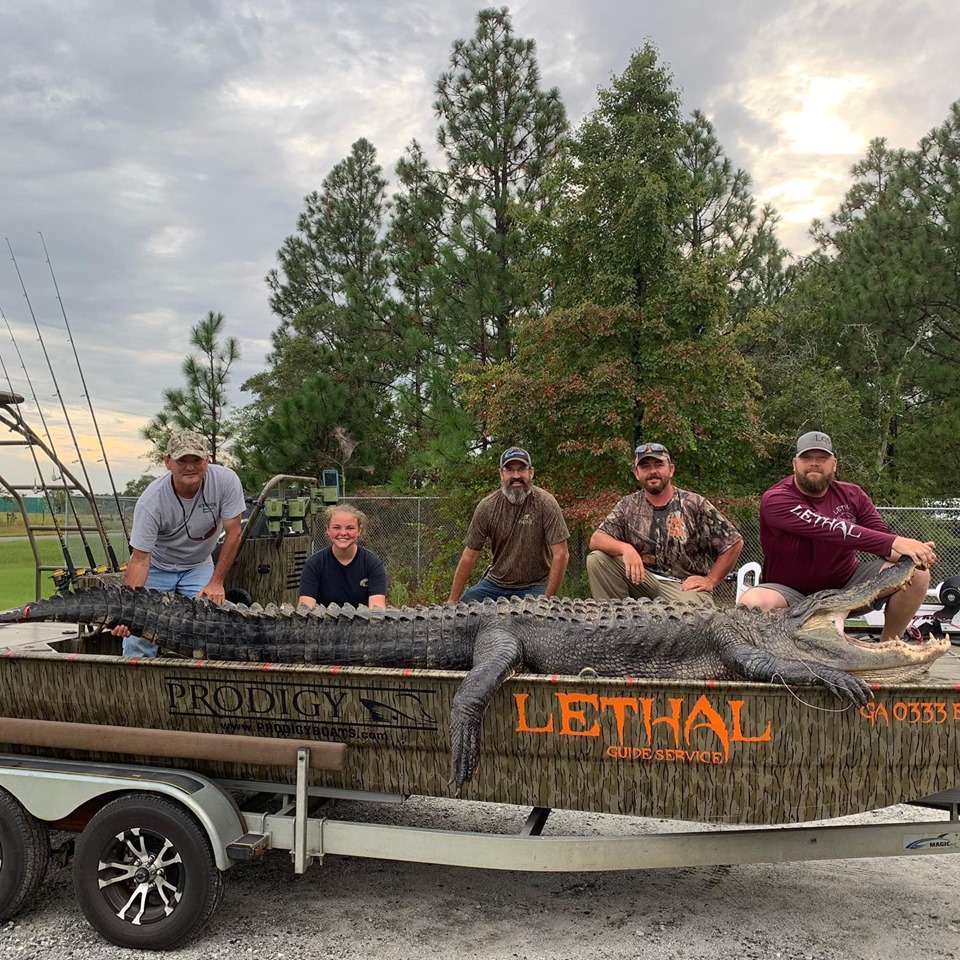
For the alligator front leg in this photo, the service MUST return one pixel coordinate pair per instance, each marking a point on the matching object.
(754, 664)
(497, 654)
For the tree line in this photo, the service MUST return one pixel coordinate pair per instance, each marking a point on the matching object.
(578, 291)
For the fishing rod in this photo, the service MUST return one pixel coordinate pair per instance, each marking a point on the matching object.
(93, 416)
(66, 416)
(67, 559)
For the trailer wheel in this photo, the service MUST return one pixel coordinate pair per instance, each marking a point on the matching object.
(144, 873)
(24, 854)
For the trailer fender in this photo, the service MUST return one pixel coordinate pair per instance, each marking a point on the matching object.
(52, 790)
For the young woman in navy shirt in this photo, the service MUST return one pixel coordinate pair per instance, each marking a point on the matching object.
(344, 572)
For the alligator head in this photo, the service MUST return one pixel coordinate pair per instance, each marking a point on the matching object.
(815, 628)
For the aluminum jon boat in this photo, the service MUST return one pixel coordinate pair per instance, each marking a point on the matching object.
(718, 752)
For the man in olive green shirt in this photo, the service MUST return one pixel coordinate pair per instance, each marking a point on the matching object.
(527, 534)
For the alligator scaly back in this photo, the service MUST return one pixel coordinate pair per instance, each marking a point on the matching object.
(493, 640)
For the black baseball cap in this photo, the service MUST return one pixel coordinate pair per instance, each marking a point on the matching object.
(515, 453)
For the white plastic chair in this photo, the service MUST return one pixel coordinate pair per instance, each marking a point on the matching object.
(748, 575)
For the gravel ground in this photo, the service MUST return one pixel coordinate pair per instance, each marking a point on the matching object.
(352, 908)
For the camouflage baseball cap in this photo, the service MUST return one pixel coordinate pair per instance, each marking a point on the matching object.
(187, 443)
(656, 450)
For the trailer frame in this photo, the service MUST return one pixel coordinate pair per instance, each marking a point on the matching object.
(77, 795)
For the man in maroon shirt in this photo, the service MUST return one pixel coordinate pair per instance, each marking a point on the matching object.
(811, 528)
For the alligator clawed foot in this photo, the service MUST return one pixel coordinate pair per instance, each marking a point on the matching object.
(845, 686)
(465, 750)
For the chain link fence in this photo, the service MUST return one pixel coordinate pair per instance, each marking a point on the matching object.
(420, 541)
(417, 540)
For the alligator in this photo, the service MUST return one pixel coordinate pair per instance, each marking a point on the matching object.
(492, 640)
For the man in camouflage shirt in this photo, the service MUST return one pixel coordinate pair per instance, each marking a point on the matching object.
(661, 541)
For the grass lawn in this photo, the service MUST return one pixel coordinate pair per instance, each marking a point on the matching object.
(11, 526)
(17, 572)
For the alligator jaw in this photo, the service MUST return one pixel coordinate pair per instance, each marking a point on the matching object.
(835, 623)
(838, 604)
(818, 630)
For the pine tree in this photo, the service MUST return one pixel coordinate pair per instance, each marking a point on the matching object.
(200, 404)
(721, 220)
(631, 348)
(498, 131)
(411, 245)
(621, 193)
(336, 318)
(879, 305)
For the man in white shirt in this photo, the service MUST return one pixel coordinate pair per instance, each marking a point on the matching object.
(176, 524)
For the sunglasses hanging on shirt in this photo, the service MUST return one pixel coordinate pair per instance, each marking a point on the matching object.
(185, 526)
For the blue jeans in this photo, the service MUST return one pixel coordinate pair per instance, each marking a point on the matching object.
(485, 589)
(186, 582)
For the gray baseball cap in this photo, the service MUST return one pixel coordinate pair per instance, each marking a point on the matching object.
(187, 443)
(815, 440)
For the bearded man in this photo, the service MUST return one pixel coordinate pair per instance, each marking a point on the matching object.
(811, 528)
(527, 535)
(661, 541)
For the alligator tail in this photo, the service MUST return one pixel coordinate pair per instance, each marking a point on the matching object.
(145, 612)
(183, 625)
(201, 629)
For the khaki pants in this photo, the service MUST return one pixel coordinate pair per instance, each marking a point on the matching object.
(608, 581)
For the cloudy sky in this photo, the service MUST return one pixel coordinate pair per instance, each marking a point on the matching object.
(163, 148)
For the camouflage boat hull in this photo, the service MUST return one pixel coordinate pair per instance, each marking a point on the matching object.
(714, 752)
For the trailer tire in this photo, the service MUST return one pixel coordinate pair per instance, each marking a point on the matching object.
(24, 854)
(144, 873)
